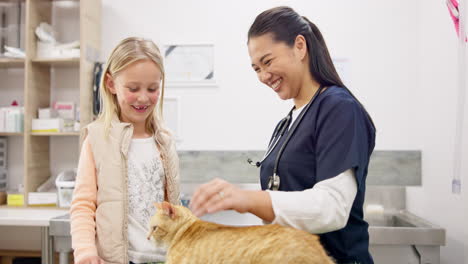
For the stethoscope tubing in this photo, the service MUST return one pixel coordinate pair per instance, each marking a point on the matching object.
(274, 180)
(277, 136)
(293, 129)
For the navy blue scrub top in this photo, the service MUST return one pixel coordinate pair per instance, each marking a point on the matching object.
(335, 135)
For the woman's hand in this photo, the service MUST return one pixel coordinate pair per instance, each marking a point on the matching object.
(218, 195)
(91, 260)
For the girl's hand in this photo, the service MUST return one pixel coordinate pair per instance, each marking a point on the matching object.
(218, 195)
(91, 260)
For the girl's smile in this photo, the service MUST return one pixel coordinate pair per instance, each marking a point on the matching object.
(137, 88)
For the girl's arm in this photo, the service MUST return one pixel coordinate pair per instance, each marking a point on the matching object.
(83, 206)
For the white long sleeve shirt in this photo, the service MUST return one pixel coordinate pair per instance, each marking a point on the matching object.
(321, 209)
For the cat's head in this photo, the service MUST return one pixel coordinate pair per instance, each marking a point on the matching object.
(167, 220)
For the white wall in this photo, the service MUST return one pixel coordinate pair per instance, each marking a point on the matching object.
(403, 58)
(464, 161)
(241, 112)
(437, 82)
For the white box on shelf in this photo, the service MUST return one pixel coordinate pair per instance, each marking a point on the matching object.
(11, 119)
(18, 116)
(76, 126)
(68, 125)
(52, 50)
(42, 198)
(47, 113)
(47, 125)
(65, 110)
(45, 49)
(3, 112)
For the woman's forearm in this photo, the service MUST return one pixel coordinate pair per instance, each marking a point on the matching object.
(260, 205)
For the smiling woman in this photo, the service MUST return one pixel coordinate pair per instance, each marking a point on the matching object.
(314, 172)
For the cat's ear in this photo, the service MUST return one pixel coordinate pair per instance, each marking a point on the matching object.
(169, 209)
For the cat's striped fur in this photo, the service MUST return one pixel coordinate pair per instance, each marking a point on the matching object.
(191, 240)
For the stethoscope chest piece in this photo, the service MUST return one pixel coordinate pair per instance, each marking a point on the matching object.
(273, 182)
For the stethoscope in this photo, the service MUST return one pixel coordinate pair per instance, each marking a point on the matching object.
(274, 180)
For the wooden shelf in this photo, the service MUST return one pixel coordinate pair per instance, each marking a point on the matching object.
(39, 73)
(6, 134)
(23, 207)
(4, 206)
(11, 63)
(58, 61)
(7, 256)
(55, 133)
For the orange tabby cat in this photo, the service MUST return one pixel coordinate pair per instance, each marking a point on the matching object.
(191, 240)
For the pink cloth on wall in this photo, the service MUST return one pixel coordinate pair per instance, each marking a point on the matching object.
(452, 6)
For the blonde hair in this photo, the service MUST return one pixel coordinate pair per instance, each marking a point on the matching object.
(128, 51)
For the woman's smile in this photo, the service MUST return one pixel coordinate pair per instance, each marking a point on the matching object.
(276, 85)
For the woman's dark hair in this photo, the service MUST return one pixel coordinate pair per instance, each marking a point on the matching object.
(284, 24)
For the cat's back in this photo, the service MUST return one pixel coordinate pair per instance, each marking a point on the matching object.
(206, 242)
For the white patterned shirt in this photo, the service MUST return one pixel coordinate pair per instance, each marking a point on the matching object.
(145, 186)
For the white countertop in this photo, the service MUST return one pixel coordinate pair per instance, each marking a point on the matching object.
(229, 217)
(233, 218)
(28, 216)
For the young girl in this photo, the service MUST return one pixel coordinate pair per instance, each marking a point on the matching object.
(128, 161)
